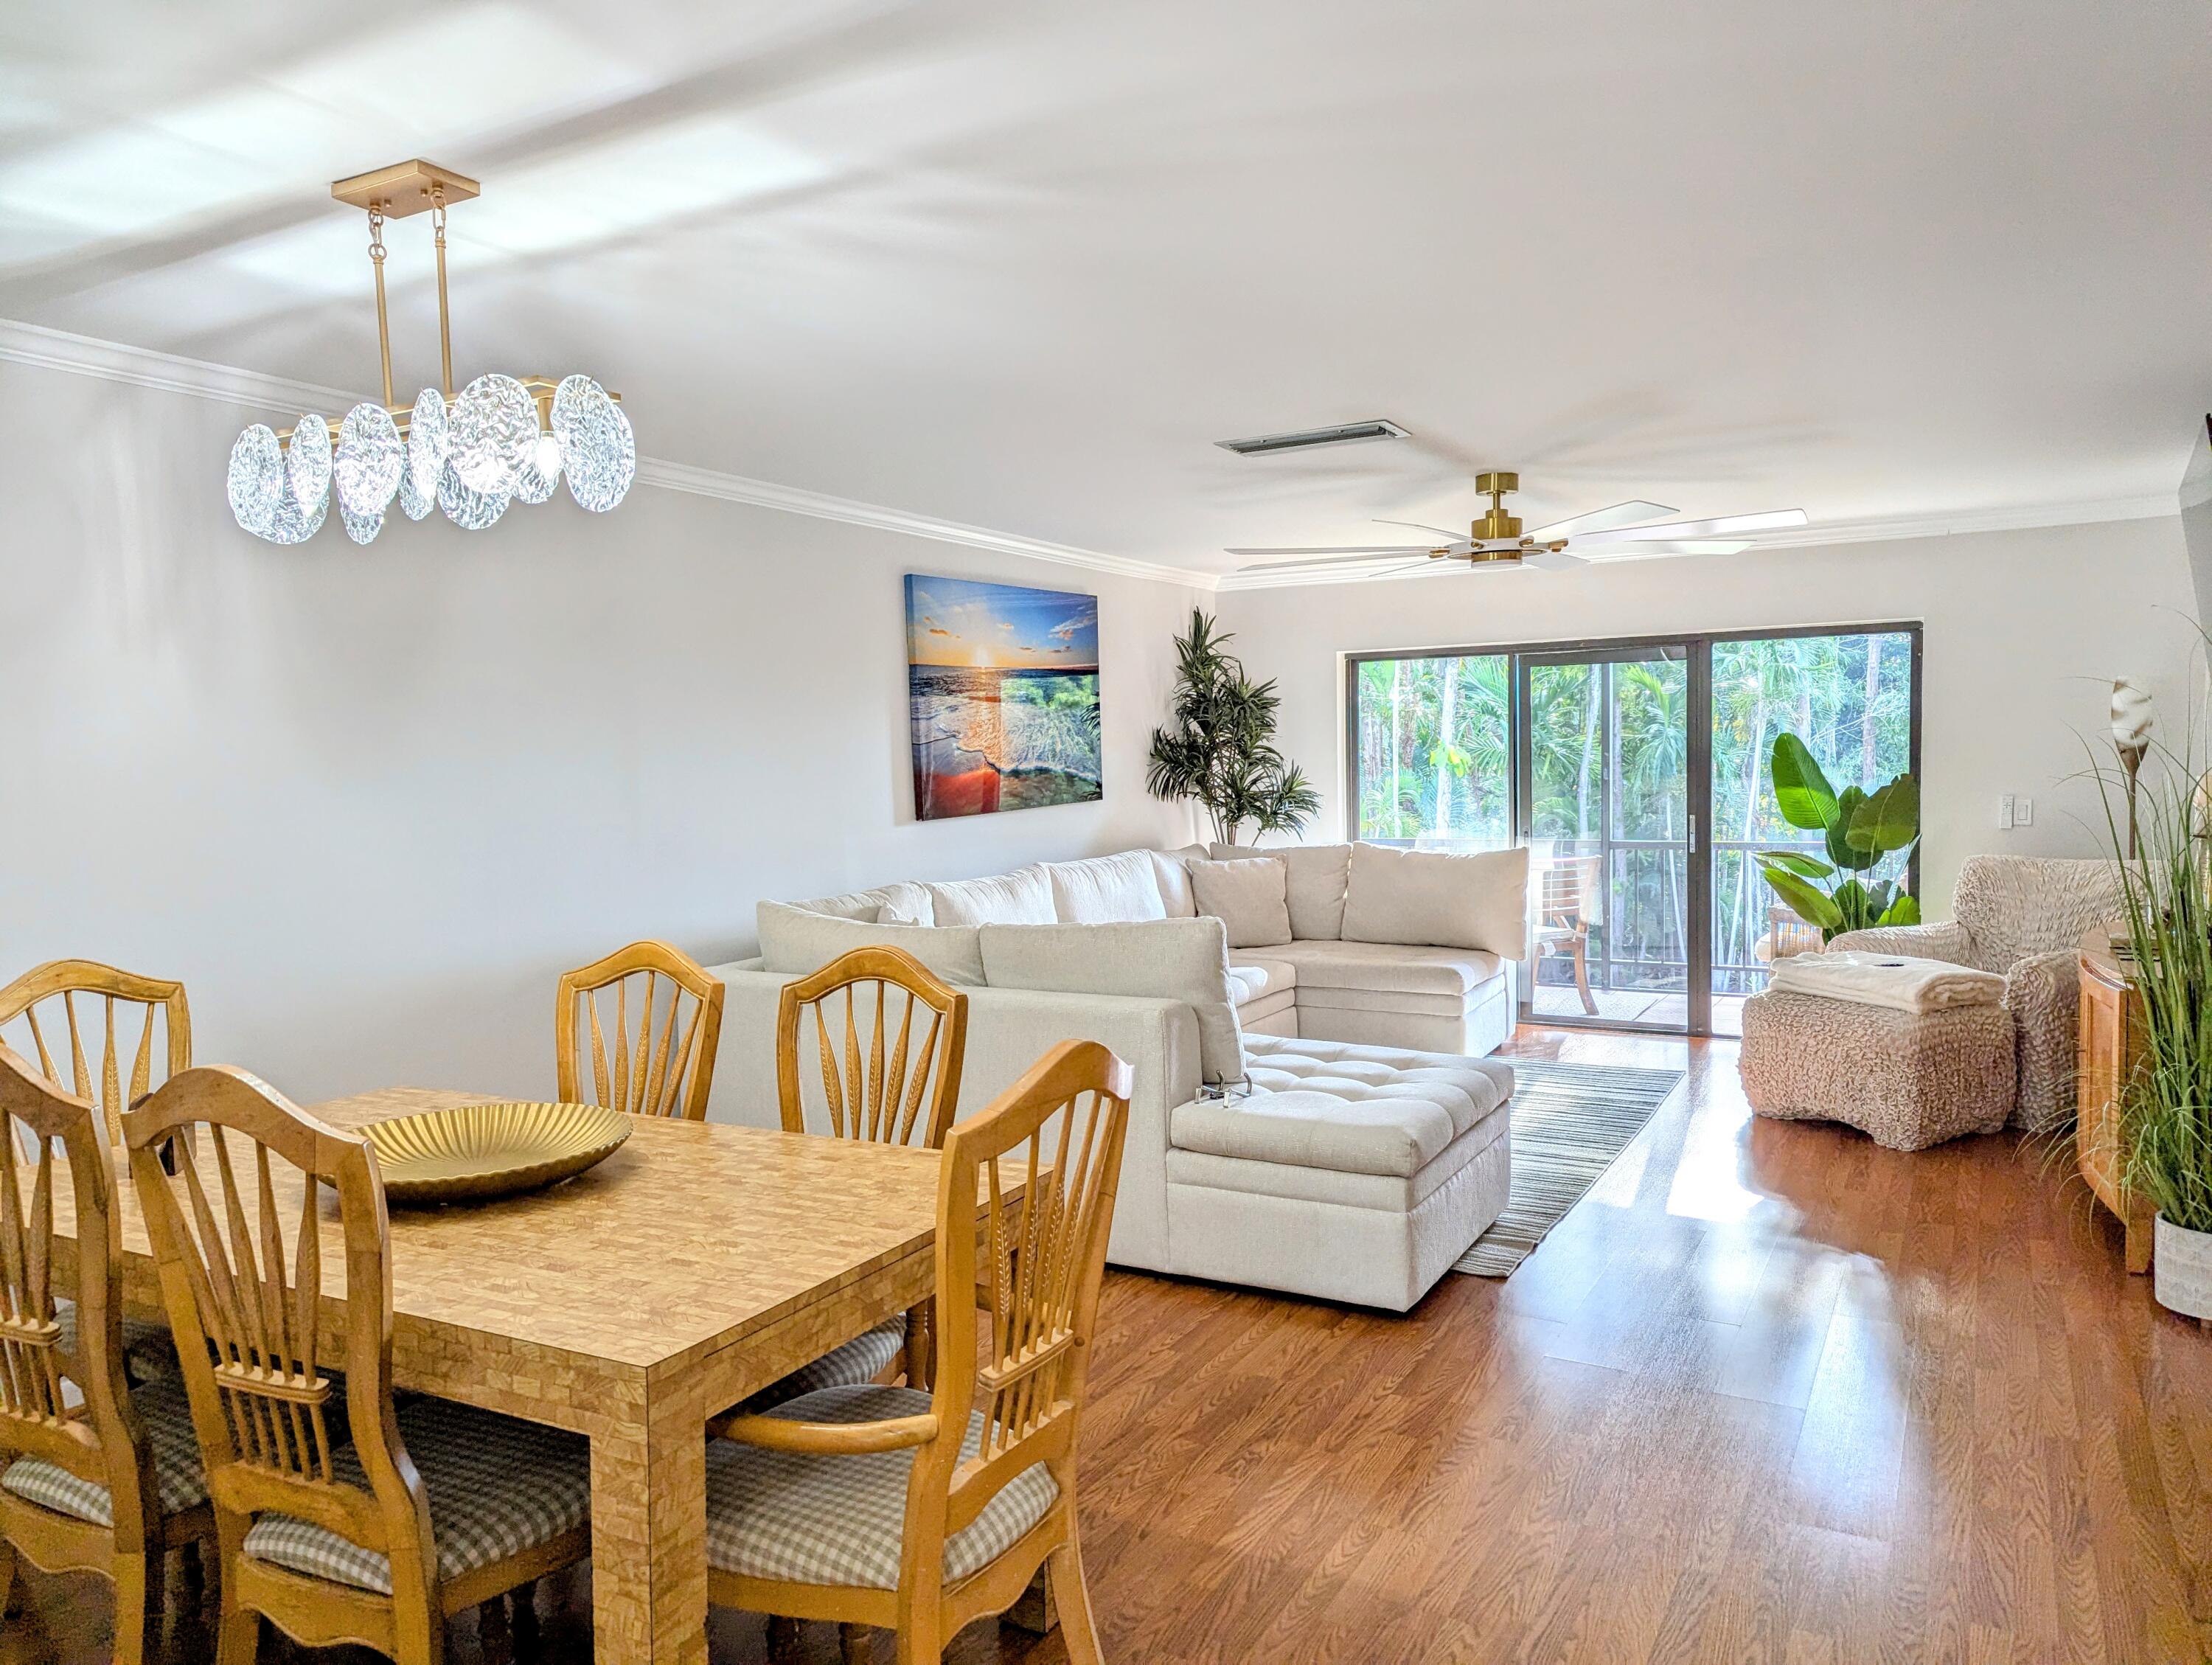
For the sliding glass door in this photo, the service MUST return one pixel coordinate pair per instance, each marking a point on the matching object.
(1603, 762)
(1637, 774)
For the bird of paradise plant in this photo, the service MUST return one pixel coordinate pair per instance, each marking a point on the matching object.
(1860, 831)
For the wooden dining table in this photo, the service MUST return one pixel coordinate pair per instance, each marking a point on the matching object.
(699, 1262)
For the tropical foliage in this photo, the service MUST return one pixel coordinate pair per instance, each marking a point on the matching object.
(1219, 747)
(1839, 889)
(1434, 738)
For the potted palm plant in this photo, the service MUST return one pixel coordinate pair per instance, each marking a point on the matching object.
(1220, 746)
(2158, 838)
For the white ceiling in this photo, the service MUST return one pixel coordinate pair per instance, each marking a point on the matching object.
(1018, 265)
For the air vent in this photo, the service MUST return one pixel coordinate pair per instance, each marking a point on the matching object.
(1349, 434)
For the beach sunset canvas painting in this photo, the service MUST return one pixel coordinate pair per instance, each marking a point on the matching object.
(1002, 687)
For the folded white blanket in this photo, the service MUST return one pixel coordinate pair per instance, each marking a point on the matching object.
(1898, 981)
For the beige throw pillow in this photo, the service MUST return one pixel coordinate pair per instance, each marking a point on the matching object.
(1107, 889)
(1169, 868)
(903, 903)
(1021, 897)
(1176, 959)
(1439, 898)
(1251, 897)
(794, 941)
(1315, 877)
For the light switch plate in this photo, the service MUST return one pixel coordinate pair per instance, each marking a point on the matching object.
(2005, 813)
(2023, 812)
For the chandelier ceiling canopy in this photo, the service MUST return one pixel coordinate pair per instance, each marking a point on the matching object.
(503, 439)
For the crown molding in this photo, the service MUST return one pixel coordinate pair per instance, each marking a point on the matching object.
(169, 373)
(794, 500)
(1820, 535)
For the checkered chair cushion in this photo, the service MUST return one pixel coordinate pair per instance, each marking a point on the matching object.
(178, 1477)
(857, 1363)
(810, 1519)
(149, 1354)
(497, 1487)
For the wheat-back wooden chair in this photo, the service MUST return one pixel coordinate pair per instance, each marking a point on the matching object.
(874, 1086)
(428, 1510)
(663, 1055)
(93, 1475)
(885, 1041)
(54, 1006)
(64, 993)
(920, 1512)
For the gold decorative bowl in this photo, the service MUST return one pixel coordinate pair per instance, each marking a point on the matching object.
(478, 1150)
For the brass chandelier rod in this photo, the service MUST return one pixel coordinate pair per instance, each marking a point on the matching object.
(444, 317)
(377, 211)
(383, 321)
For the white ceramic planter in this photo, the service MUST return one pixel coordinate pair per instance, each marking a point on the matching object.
(2181, 1269)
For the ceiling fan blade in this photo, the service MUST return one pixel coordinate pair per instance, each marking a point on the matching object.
(1612, 551)
(1554, 561)
(1720, 525)
(1363, 557)
(1456, 537)
(1411, 565)
(1600, 520)
(1338, 549)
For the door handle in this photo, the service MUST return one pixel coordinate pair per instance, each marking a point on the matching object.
(1694, 834)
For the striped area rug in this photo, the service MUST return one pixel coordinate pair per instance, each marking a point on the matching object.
(1570, 1121)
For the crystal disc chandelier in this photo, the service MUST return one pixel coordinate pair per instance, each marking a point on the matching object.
(502, 440)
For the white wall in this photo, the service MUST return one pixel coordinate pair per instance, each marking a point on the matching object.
(2024, 632)
(369, 803)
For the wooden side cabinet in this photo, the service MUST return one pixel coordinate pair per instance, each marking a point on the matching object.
(2110, 1045)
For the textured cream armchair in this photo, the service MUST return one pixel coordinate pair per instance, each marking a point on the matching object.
(2020, 917)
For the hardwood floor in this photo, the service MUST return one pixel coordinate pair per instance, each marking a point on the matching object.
(1770, 1394)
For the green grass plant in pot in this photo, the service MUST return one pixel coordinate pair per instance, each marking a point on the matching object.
(2165, 1105)
(1861, 832)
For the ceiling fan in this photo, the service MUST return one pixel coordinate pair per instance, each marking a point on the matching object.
(1625, 532)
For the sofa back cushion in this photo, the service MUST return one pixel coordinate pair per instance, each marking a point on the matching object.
(1439, 898)
(1314, 877)
(1251, 897)
(795, 941)
(1021, 897)
(1106, 889)
(1169, 869)
(1176, 959)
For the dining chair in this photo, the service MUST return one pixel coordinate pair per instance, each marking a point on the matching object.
(889, 1088)
(889, 1507)
(94, 1474)
(148, 1003)
(653, 1072)
(428, 1510)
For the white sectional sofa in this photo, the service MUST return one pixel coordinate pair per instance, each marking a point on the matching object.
(1311, 1114)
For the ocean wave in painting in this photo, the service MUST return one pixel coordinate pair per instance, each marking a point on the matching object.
(987, 739)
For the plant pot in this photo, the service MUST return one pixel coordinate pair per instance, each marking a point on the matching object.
(2181, 1269)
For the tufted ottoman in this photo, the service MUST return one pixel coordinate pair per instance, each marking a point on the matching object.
(1348, 1172)
(1908, 1079)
